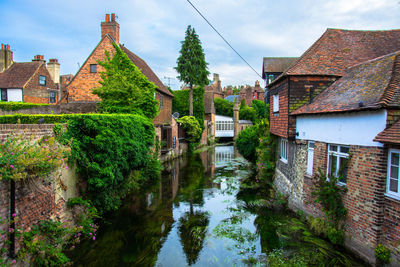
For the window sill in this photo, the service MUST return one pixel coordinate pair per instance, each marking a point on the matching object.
(283, 160)
(392, 197)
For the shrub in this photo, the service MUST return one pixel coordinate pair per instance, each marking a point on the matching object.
(192, 130)
(382, 253)
(247, 142)
(12, 106)
(34, 118)
(261, 109)
(248, 113)
(22, 157)
(110, 151)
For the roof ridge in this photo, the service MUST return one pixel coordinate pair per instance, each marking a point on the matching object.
(372, 60)
(390, 90)
(349, 30)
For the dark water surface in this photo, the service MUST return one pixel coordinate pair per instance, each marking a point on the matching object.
(205, 211)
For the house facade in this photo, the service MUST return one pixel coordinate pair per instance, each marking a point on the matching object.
(327, 111)
(79, 89)
(31, 82)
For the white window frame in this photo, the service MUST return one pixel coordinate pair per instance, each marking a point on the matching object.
(284, 150)
(338, 154)
(275, 103)
(389, 193)
(311, 146)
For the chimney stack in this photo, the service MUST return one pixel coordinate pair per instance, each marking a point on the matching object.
(54, 69)
(6, 57)
(110, 27)
(216, 77)
(38, 58)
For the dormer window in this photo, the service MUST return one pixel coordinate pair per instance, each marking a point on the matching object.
(42, 80)
(270, 78)
(93, 68)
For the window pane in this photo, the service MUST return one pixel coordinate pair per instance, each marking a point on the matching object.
(332, 165)
(332, 148)
(343, 162)
(394, 172)
(344, 149)
(394, 185)
(395, 159)
(311, 144)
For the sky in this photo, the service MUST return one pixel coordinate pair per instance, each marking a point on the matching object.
(154, 29)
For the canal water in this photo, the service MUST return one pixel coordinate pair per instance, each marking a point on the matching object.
(207, 210)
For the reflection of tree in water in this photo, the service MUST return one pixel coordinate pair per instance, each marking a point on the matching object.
(193, 224)
(192, 231)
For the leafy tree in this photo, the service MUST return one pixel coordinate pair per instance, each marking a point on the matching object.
(260, 108)
(191, 64)
(192, 129)
(247, 142)
(180, 103)
(248, 113)
(223, 107)
(124, 88)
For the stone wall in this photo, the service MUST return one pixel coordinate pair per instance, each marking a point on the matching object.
(37, 130)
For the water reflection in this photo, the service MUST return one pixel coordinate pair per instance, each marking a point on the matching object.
(200, 213)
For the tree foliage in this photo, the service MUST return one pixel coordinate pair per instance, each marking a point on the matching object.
(124, 88)
(223, 107)
(260, 108)
(191, 64)
(180, 103)
(192, 129)
(247, 142)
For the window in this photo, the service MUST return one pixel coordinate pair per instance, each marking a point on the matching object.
(338, 157)
(161, 101)
(42, 80)
(284, 150)
(275, 103)
(93, 68)
(4, 95)
(270, 78)
(310, 157)
(174, 142)
(393, 173)
(52, 97)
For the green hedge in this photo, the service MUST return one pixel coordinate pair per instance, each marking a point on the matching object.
(113, 154)
(180, 103)
(9, 106)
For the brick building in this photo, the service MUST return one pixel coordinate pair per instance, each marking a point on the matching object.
(31, 82)
(323, 110)
(248, 93)
(79, 89)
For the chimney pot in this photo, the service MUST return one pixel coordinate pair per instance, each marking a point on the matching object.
(8, 47)
(107, 17)
(53, 60)
(113, 17)
(2, 46)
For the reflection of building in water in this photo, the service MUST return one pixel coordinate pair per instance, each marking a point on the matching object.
(223, 155)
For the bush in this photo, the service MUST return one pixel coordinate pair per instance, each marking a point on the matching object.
(34, 118)
(192, 130)
(247, 142)
(248, 113)
(12, 106)
(261, 109)
(382, 253)
(110, 152)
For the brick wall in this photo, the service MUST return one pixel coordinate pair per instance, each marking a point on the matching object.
(38, 130)
(279, 120)
(35, 93)
(392, 116)
(81, 86)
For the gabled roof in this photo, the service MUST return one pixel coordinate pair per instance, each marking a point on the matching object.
(18, 74)
(390, 134)
(146, 70)
(371, 85)
(277, 64)
(337, 49)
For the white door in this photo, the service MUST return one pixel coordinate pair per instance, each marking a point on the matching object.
(310, 157)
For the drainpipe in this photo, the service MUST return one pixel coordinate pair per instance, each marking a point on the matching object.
(12, 225)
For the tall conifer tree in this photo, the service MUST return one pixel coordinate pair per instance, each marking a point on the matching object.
(191, 64)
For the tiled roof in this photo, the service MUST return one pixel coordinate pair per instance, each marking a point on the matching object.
(336, 50)
(146, 70)
(370, 85)
(277, 64)
(390, 134)
(18, 74)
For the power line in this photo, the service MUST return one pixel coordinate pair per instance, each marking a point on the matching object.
(223, 38)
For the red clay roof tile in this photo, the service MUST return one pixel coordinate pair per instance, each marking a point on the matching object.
(390, 134)
(18, 74)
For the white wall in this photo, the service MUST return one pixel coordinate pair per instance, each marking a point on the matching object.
(223, 133)
(14, 95)
(355, 128)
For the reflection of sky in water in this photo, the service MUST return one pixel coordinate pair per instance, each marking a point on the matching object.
(216, 251)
